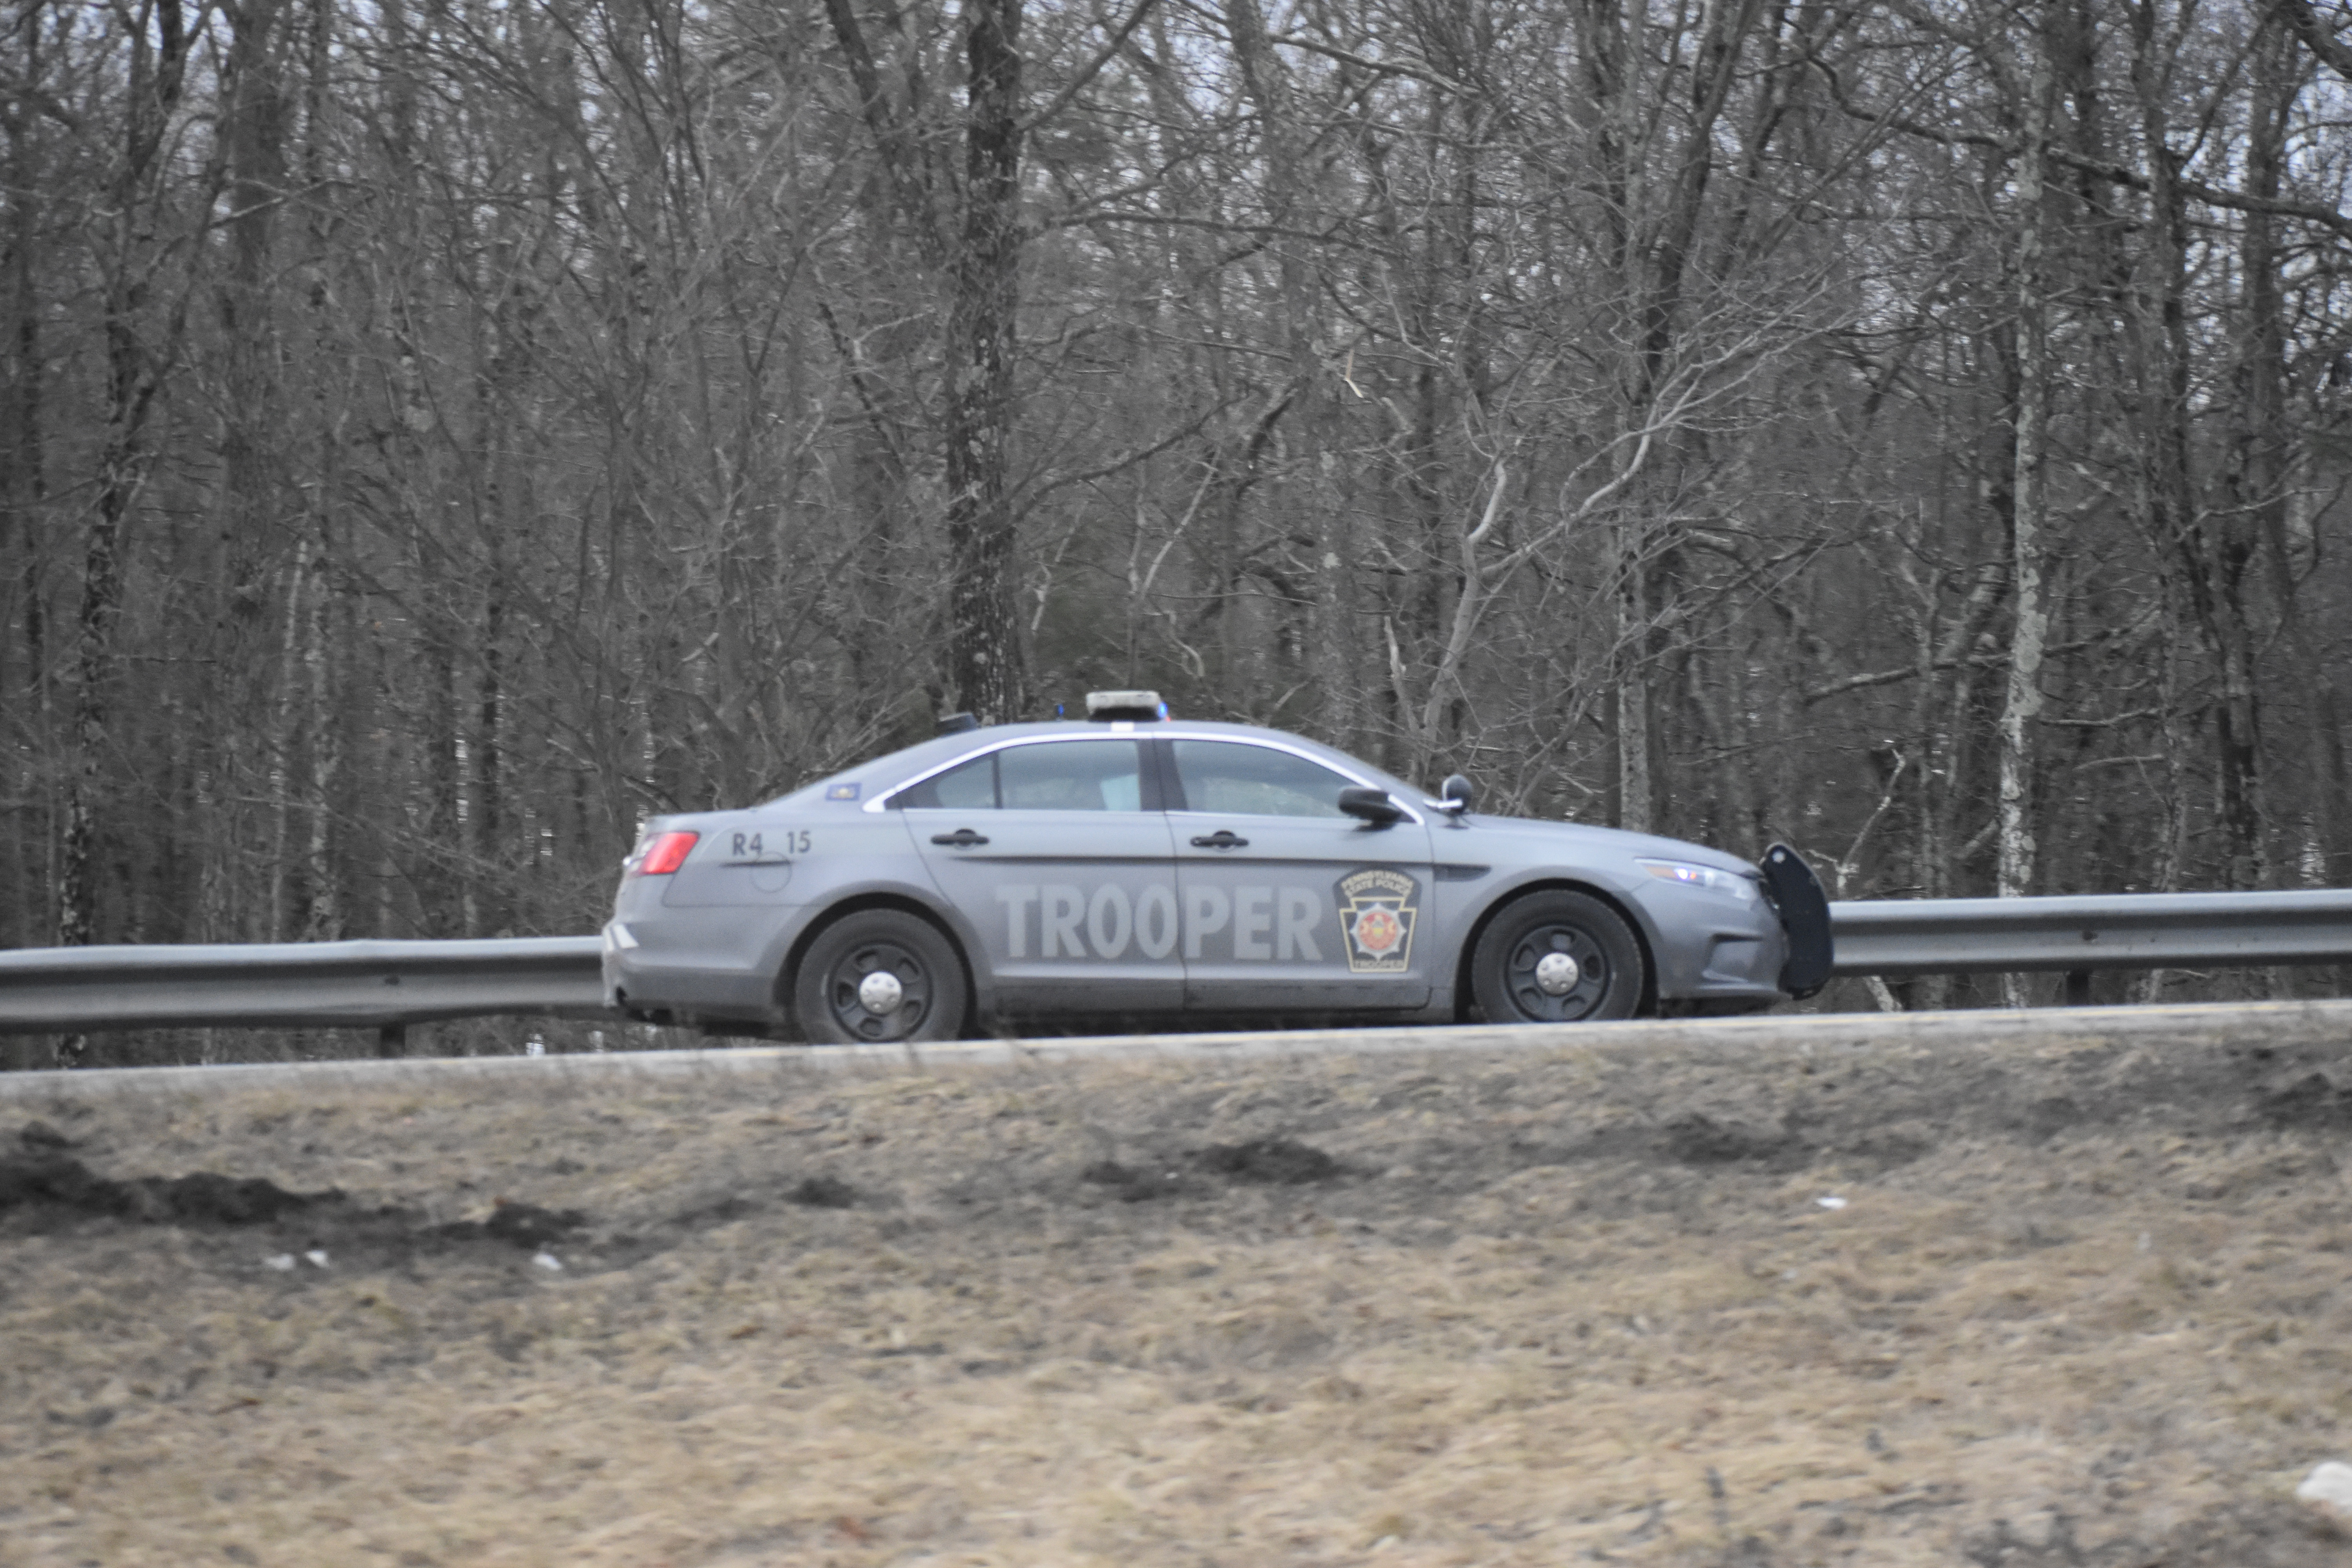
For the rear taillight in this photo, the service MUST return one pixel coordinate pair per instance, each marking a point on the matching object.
(665, 854)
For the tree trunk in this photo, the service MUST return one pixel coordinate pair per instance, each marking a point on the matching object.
(2029, 502)
(285, 736)
(1629, 670)
(327, 638)
(247, 543)
(1315, 519)
(136, 356)
(985, 672)
(2256, 478)
(2160, 406)
(24, 489)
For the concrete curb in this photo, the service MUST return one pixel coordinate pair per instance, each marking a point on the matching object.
(2200, 1024)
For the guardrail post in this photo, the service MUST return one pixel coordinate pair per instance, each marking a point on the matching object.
(392, 1041)
(2078, 988)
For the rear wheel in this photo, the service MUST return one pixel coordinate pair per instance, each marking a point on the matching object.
(876, 977)
(1556, 958)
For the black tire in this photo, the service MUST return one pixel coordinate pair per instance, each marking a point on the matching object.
(932, 990)
(1608, 983)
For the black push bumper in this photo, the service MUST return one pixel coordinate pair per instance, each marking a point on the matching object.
(1804, 917)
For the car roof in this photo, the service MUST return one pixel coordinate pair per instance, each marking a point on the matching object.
(886, 772)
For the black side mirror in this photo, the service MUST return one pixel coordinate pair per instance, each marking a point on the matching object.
(1371, 805)
(1457, 792)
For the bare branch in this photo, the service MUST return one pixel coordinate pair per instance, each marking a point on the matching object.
(1077, 84)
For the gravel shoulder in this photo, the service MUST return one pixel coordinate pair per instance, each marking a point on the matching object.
(1688, 1297)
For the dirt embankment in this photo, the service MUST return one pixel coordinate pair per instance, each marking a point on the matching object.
(1703, 1304)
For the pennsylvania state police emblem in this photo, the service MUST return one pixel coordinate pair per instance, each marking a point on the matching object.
(1376, 915)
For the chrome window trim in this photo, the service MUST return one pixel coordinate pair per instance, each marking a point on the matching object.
(881, 803)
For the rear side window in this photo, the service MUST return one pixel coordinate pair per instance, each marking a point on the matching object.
(971, 787)
(1068, 776)
(1227, 776)
(1073, 775)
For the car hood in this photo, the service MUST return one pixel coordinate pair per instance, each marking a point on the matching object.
(1484, 838)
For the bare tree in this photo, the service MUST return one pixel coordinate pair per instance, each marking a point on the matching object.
(440, 437)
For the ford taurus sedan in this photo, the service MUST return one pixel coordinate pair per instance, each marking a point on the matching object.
(1132, 867)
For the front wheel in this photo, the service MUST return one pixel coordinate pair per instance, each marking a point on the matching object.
(1556, 958)
(879, 977)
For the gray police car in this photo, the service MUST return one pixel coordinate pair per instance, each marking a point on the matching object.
(1131, 867)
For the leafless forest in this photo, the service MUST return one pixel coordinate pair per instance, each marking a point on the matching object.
(440, 433)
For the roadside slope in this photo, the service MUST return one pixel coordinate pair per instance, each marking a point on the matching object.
(2082, 1298)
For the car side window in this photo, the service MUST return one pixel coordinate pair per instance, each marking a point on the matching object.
(1256, 781)
(1071, 775)
(971, 787)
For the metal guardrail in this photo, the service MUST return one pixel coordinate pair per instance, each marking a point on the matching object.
(382, 985)
(1899, 937)
(386, 985)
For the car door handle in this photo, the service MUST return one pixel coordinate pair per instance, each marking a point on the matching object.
(1223, 838)
(962, 838)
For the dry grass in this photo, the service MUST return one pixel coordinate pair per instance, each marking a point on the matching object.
(2085, 1305)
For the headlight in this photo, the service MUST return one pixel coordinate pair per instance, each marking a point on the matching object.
(1707, 877)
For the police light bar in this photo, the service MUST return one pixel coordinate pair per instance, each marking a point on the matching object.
(1137, 706)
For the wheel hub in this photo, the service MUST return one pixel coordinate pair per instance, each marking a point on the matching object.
(1556, 973)
(880, 993)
